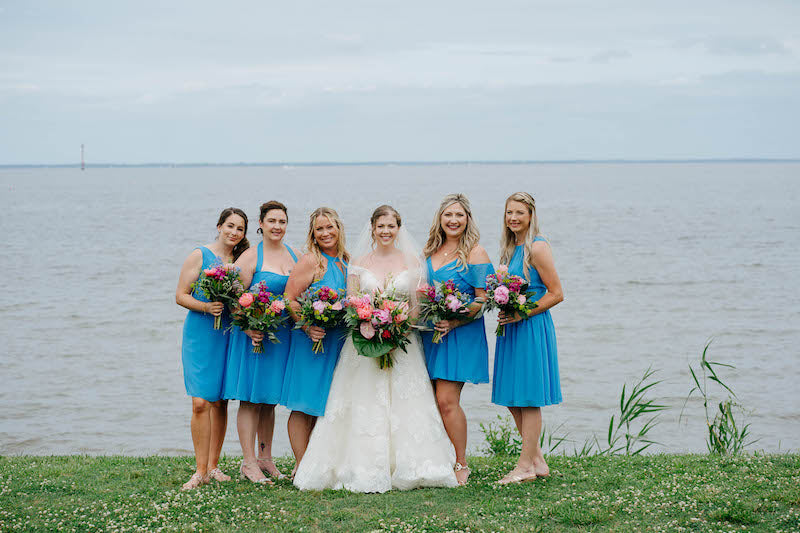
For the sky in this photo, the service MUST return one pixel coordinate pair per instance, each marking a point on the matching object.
(305, 81)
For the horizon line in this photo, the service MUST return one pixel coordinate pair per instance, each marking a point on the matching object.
(405, 163)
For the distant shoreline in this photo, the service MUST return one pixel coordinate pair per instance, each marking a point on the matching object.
(402, 163)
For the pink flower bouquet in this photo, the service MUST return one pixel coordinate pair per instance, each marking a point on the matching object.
(442, 301)
(322, 307)
(220, 283)
(508, 293)
(378, 324)
(262, 311)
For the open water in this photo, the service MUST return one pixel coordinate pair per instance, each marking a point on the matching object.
(654, 258)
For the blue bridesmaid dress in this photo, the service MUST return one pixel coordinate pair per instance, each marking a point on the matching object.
(204, 349)
(526, 359)
(463, 354)
(308, 375)
(258, 377)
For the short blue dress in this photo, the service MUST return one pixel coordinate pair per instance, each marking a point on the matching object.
(526, 359)
(258, 377)
(308, 375)
(204, 349)
(463, 354)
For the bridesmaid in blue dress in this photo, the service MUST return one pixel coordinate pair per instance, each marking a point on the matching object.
(526, 360)
(255, 379)
(308, 375)
(453, 252)
(204, 349)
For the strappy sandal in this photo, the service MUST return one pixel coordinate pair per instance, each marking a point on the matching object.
(195, 481)
(459, 468)
(218, 475)
(513, 479)
(263, 464)
(263, 480)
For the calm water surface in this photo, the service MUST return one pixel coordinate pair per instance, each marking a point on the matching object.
(654, 259)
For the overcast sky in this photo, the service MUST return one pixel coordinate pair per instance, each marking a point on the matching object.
(406, 80)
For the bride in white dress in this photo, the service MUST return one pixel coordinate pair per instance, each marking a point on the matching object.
(381, 429)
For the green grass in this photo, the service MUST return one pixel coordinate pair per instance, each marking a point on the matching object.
(655, 493)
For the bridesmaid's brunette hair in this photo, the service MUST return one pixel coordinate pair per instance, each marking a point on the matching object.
(311, 243)
(468, 240)
(243, 244)
(508, 241)
(269, 206)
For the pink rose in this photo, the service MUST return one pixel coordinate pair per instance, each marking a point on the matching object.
(337, 306)
(366, 329)
(319, 306)
(364, 312)
(388, 305)
(521, 299)
(501, 295)
(208, 272)
(452, 302)
(382, 316)
(400, 318)
(246, 299)
(277, 306)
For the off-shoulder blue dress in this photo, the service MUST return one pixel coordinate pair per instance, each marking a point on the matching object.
(463, 354)
(526, 358)
(308, 375)
(204, 349)
(258, 377)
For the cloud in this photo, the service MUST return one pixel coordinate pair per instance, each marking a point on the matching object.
(738, 45)
(608, 55)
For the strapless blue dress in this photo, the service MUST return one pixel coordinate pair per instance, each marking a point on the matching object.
(258, 377)
(204, 349)
(526, 358)
(308, 375)
(463, 354)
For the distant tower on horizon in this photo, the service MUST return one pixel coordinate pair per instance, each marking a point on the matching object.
(83, 163)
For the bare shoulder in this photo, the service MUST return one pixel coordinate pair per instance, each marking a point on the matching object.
(541, 247)
(195, 257)
(306, 262)
(478, 255)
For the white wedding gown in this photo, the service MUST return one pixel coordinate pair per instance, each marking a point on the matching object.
(381, 428)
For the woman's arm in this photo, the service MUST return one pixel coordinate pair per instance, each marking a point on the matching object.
(247, 265)
(300, 279)
(190, 271)
(545, 266)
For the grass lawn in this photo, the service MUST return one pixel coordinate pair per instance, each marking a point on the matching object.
(649, 493)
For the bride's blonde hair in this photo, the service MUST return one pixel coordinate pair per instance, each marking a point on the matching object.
(508, 240)
(311, 242)
(468, 240)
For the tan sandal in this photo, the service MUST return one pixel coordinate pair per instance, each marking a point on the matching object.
(195, 481)
(264, 465)
(218, 475)
(243, 474)
(462, 468)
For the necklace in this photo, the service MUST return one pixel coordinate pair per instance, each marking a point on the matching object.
(450, 252)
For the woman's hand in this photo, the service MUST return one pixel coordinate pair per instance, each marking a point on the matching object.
(503, 319)
(255, 335)
(445, 326)
(214, 308)
(315, 333)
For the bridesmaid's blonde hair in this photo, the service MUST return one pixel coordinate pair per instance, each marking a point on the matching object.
(508, 241)
(468, 240)
(311, 242)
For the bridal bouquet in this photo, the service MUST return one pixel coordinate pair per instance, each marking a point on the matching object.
(442, 301)
(262, 311)
(378, 324)
(220, 283)
(322, 307)
(508, 293)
